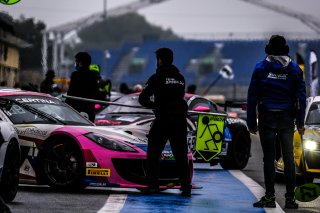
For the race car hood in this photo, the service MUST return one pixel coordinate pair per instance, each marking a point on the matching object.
(312, 132)
(117, 133)
(41, 132)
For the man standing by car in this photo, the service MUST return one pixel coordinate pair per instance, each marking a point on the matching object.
(84, 84)
(278, 89)
(167, 86)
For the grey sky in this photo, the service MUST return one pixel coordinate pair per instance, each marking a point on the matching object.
(185, 17)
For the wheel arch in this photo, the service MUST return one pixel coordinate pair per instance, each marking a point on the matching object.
(52, 139)
(230, 162)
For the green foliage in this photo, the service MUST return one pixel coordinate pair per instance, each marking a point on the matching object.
(30, 31)
(112, 32)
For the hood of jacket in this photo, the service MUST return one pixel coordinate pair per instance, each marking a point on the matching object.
(282, 60)
(166, 68)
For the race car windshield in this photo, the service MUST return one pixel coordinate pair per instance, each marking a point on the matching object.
(129, 100)
(313, 116)
(43, 110)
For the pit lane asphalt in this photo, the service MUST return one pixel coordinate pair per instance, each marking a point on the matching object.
(223, 191)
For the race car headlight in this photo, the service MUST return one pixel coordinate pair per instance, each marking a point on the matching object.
(109, 144)
(310, 145)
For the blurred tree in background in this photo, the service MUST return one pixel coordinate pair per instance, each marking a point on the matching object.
(112, 32)
(31, 32)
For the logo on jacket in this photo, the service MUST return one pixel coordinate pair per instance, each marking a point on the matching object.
(173, 81)
(277, 76)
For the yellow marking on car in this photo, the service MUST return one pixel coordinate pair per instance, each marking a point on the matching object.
(98, 172)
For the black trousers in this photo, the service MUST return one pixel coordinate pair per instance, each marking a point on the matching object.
(174, 129)
(277, 127)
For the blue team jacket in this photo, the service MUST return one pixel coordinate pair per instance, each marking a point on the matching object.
(276, 83)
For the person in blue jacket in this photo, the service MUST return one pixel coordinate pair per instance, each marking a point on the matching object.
(277, 97)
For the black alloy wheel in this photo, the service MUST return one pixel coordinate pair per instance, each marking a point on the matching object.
(10, 174)
(62, 165)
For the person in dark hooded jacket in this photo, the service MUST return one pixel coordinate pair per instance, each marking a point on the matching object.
(167, 87)
(83, 84)
(277, 89)
(46, 85)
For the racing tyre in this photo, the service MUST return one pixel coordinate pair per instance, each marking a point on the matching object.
(10, 174)
(238, 152)
(62, 164)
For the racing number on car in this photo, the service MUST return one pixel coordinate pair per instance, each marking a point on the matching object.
(209, 135)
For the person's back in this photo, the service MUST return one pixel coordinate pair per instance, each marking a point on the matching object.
(47, 83)
(169, 92)
(83, 84)
(277, 88)
(167, 86)
(279, 85)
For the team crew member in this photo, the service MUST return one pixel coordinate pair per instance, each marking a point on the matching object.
(83, 83)
(104, 87)
(278, 89)
(167, 86)
(46, 85)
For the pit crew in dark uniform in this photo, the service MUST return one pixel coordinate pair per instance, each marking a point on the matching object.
(167, 86)
(278, 89)
(83, 84)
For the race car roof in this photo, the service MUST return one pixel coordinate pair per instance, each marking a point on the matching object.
(10, 91)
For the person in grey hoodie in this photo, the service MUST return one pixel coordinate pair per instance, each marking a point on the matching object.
(277, 89)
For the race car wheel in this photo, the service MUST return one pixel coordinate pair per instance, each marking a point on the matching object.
(62, 164)
(238, 150)
(10, 174)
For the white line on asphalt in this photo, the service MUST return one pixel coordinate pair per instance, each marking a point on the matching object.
(255, 188)
(114, 203)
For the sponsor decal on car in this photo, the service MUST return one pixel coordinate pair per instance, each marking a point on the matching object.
(98, 172)
(91, 164)
(167, 155)
(27, 169)
(98, 184)
(30, 130)
(36, 101)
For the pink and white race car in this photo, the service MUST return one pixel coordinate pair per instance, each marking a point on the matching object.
(61, 148)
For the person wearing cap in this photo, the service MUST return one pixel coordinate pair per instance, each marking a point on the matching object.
(277, 91)
(83, 84)
(167, 86)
